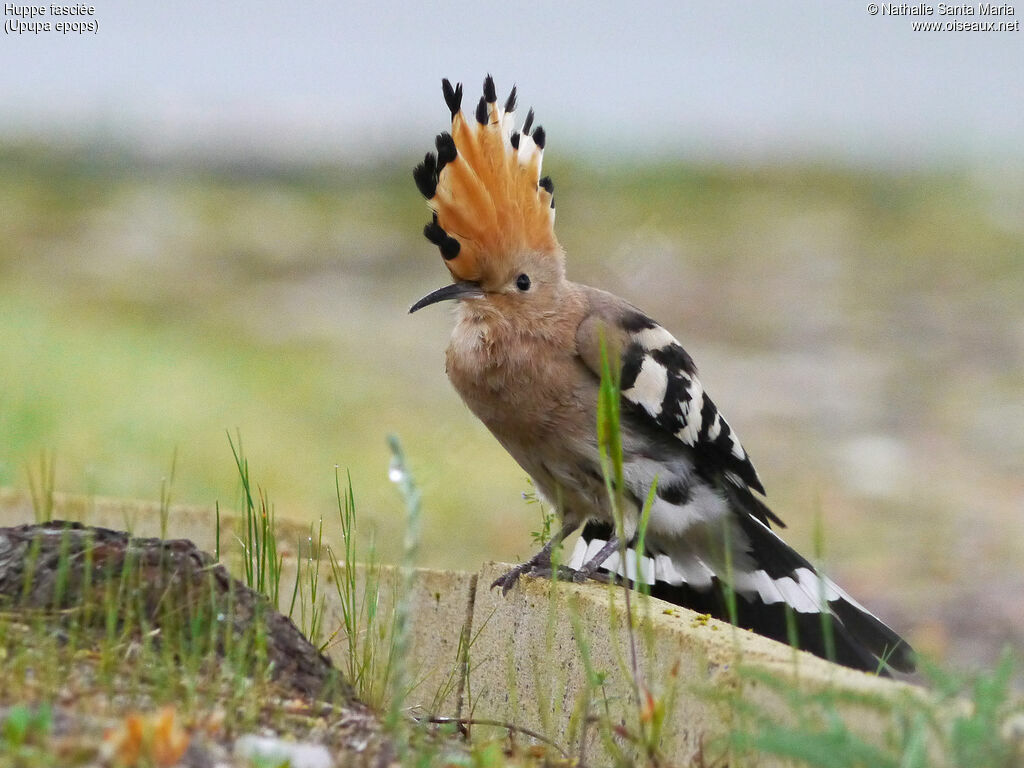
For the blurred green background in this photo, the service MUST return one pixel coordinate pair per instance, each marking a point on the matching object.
(208, 224)
(863, 330)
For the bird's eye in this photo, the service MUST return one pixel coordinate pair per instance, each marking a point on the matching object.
(523, 282)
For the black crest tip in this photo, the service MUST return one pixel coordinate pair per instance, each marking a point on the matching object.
(547, 184)
(425, 176)
(450, 248)
(490, 92)
(539, 137)
(452, 96)
(510, 102)
(434, 233)
(481, 112)
(446, 151)
(515, 140)
(528, 124)
(449, 245)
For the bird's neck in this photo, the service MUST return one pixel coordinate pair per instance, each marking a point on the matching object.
(498, 329)
(498, 349)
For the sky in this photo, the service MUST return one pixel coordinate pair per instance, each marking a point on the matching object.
(776, 80)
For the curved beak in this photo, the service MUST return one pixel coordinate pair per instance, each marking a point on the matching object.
(460, 290)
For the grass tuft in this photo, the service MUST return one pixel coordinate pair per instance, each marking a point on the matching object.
(260, 560)
(41, 488)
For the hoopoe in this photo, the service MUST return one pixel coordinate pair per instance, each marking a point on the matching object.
(526, 355)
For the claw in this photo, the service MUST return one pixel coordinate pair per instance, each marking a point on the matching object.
(508, 580)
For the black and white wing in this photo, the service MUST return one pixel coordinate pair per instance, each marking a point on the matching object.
(710, 481)
(659, 377)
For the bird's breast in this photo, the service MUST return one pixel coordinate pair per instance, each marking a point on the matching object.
(520, 384)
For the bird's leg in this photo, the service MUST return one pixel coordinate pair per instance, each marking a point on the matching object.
(538, 565)
(589, 569)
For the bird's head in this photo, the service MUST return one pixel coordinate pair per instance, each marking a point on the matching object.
(493, 213)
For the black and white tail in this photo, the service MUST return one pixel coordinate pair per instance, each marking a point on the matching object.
(782, 597)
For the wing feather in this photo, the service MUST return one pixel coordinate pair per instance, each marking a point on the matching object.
(660, 380)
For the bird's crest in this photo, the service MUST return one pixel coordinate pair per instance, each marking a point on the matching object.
(485, 188)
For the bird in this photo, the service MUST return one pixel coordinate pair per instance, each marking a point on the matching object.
(526, 356)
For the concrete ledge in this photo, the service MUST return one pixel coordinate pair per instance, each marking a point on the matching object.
(533, 642)
(519, 659)
(526, 658)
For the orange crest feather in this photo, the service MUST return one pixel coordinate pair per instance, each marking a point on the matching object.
(484, 186)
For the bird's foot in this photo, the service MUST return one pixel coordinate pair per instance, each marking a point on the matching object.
(538, 570)
(546, 571)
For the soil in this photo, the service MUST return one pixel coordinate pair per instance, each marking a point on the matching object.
(48, 572)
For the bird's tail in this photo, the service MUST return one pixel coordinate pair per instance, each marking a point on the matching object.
(781, 596)
(485, 189)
